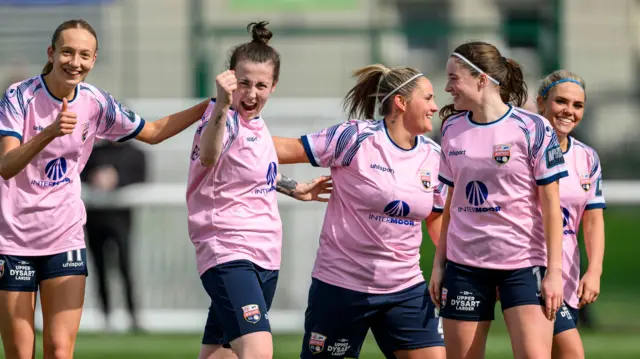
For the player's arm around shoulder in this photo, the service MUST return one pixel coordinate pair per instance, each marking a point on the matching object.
(290, 150)
(309, 191)
(157, 131)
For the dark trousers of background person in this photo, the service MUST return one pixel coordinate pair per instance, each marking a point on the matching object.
(113, 227)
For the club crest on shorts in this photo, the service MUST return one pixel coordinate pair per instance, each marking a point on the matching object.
(251, 313)
(502, 154)
(585, 182)
(1, 268)
(443, 298)
(425, 178)
(316, 342)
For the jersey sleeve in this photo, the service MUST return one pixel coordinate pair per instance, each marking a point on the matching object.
(116, 122)
(335, 146)
(546, 155)
(440, 197)
(12, 109)
(445, 175)
(596, 198)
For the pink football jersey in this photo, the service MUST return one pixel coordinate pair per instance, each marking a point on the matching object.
(495, 170)
(42, 212)
(579, 192)
(371, 236)
(233, 209)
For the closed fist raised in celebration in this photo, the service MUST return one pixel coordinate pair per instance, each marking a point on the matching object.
(226, 83)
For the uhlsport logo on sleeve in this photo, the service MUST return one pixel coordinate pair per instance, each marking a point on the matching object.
(502, 154)
(272, 175)
(251, 313)
(585, 182)
(56, 171)
(477, 195)
(316, 342)
(425, 178)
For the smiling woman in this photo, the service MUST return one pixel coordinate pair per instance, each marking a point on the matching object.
(561, 99)
(48, 125)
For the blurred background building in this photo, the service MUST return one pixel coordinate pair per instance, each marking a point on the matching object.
(161, 56)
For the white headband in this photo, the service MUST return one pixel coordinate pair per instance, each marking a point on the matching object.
(399, 87)
(475, 67)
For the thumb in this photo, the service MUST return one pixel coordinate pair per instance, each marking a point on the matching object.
(65, 104)
(580, 289)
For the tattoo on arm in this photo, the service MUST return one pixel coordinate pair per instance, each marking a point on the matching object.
(287, 186)
(218, 118)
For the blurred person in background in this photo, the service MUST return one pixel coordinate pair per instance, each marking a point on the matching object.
(48, 124)
(233, 217)
(502, 164)
(561, 99)
(113, 166)
(367, 271)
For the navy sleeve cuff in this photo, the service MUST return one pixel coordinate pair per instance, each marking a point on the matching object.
(551, 179)
(134, 133)
(307, 150)
(10, 133)
(445, 181)
(595, 206)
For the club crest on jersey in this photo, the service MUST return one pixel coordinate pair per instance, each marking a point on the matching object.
(425, 178)
(1, 268)
(251, 313)
(501, 154)
(316, 342)
(585, 182)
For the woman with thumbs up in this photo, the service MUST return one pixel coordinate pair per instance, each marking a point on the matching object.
(48, 124)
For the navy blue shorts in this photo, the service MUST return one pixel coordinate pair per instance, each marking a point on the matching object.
(566, 319)
(241, 294)
(469, 293)
(337, 321)
(24, 273)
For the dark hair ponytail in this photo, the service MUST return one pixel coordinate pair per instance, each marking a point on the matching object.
(259, 32)
(258, 50)
(374, 83)
(513, 89)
